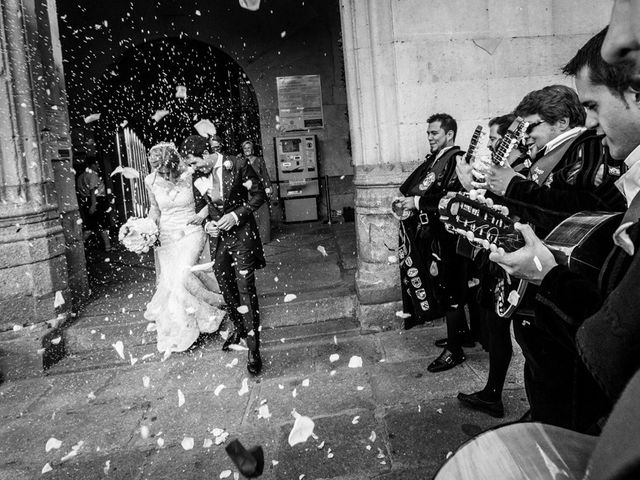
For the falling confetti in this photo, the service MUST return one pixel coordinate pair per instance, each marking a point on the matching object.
(323, 251)
(305, 382)
(283, 34)
(126, 172)
(146, 381)
(208, 443)
(119, 347)
(198, 13)
(242, 309)
(225, 474)
(56, 340)
(334, 357)
(218, 389)
(356, 420)
(92, 118)
(289, 297)
(355, 362)
(252, 5)
(47, 468)
(52, 443)
(302, 429)
(107, 466)
(205, 128)
(187, 443)
(159, 115)
(181, 90)
(180, 398)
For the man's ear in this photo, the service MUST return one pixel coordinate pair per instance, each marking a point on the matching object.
(563, 123)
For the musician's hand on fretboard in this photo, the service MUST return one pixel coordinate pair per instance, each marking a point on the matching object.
(531, 262)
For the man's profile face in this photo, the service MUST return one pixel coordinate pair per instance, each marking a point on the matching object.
(215, 146)
(437, 137)
(494, 137)
(203, 164)
(541, 132)
(622, 42)
(618, 118)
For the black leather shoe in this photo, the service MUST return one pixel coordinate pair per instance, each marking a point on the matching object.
(232, 339)
(254, 362)
(250, 462)
(473, 400)
(467, 342)
(445, 361)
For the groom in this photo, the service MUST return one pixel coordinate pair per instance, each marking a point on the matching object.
(221, 183)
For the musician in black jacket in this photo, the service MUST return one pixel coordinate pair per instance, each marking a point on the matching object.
(434, 278)
(556, 380)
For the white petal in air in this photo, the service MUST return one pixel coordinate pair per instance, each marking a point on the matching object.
(52, 443)
(59, 300)
(289, 297)
(187, 443)
(245, 387)
(323, 251)
(202, 267)
(92, 118)
(181, 90)
(252, 5)
(334, 357)
(205, 128)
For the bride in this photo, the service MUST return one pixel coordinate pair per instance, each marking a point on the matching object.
(184, 305)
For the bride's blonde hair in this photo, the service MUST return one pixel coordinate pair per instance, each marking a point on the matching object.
(164, 154)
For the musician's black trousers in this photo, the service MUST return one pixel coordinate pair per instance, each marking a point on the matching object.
(235, 272)
(559, 388)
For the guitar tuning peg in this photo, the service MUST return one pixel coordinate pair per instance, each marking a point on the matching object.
(489, 202)
(485, 243)
(470, 236)
(473, 194)
(493, 247)
(501, 251)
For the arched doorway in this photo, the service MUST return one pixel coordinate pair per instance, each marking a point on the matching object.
(146, 79)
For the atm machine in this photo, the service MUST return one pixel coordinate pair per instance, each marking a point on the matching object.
(297, 171)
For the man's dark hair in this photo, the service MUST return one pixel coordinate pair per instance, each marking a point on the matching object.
(503, 122)
(194, 145)
(447, 122)
(553, 103)
(90, 162)
(616, 78)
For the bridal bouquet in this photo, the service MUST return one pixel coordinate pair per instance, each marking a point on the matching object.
(138, 234)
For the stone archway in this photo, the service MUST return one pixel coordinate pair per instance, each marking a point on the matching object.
(145, 79)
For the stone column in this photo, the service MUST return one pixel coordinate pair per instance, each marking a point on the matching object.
(370, 70)
(33, 264)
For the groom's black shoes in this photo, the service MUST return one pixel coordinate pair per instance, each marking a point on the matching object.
(254, 362)
(232, 339)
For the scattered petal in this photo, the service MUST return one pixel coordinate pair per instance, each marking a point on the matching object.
(119, 348)
(144, 432)
(218, 389)
(180, 398)
(283, 34)
(323, 251)
(245, 387)
(233, 363)
(152, 327)
(159, 115)
(56, 340)
(392, 259)
(274, 462)
(305, 382)
(58, 300)
(321, 445)
(372, 437)
(187, 443)
(334, 357)
(52, 443)
(47, 468)
(160, 442)
(208, 443)
(221, 438)
(237, 347)
(294, 394)
(73, 452)
(439, 410)
(263, 412)
(225, 474)
(302, 429)
(205, 128)
(107, 466)
(402, 314)
(146, 381)
(356, 420)
(289, 297)
(242, 309)
(91, 396)
(355, 362)
(17, 328)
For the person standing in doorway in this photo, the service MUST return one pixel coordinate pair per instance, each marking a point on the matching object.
(263, 214)
(94, 203)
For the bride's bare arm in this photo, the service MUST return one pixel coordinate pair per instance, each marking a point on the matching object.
(154, 209)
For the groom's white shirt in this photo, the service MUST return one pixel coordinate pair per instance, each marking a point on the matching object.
(205, 184)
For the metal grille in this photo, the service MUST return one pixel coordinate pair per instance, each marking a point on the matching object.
(132, 153)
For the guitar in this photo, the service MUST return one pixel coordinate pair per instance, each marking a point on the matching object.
(478, 138)
(581, 242)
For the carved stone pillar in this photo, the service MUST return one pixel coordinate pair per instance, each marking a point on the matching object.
(373, 115)
(33, 254)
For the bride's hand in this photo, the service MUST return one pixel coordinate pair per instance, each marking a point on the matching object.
(212, 229)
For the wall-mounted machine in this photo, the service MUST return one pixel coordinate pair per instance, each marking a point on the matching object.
(297, 170)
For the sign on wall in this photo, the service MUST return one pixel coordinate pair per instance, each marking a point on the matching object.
(300, 102)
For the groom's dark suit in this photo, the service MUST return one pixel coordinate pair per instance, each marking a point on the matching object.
(237, 253)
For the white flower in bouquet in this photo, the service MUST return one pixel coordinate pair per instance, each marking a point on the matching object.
(138, 234)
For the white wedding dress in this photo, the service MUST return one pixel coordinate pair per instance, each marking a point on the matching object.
(182, 307)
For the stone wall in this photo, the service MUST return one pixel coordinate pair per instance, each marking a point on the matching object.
(407, 59)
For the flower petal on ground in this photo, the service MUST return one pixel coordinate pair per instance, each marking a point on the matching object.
(355, 362)
(187, 443)
(180, 398)
(52, 443)
(302, 429)
(119, 348)
(245, 387)
(289, 297)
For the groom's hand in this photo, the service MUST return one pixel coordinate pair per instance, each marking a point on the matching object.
(227, 222)
(211, 228)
